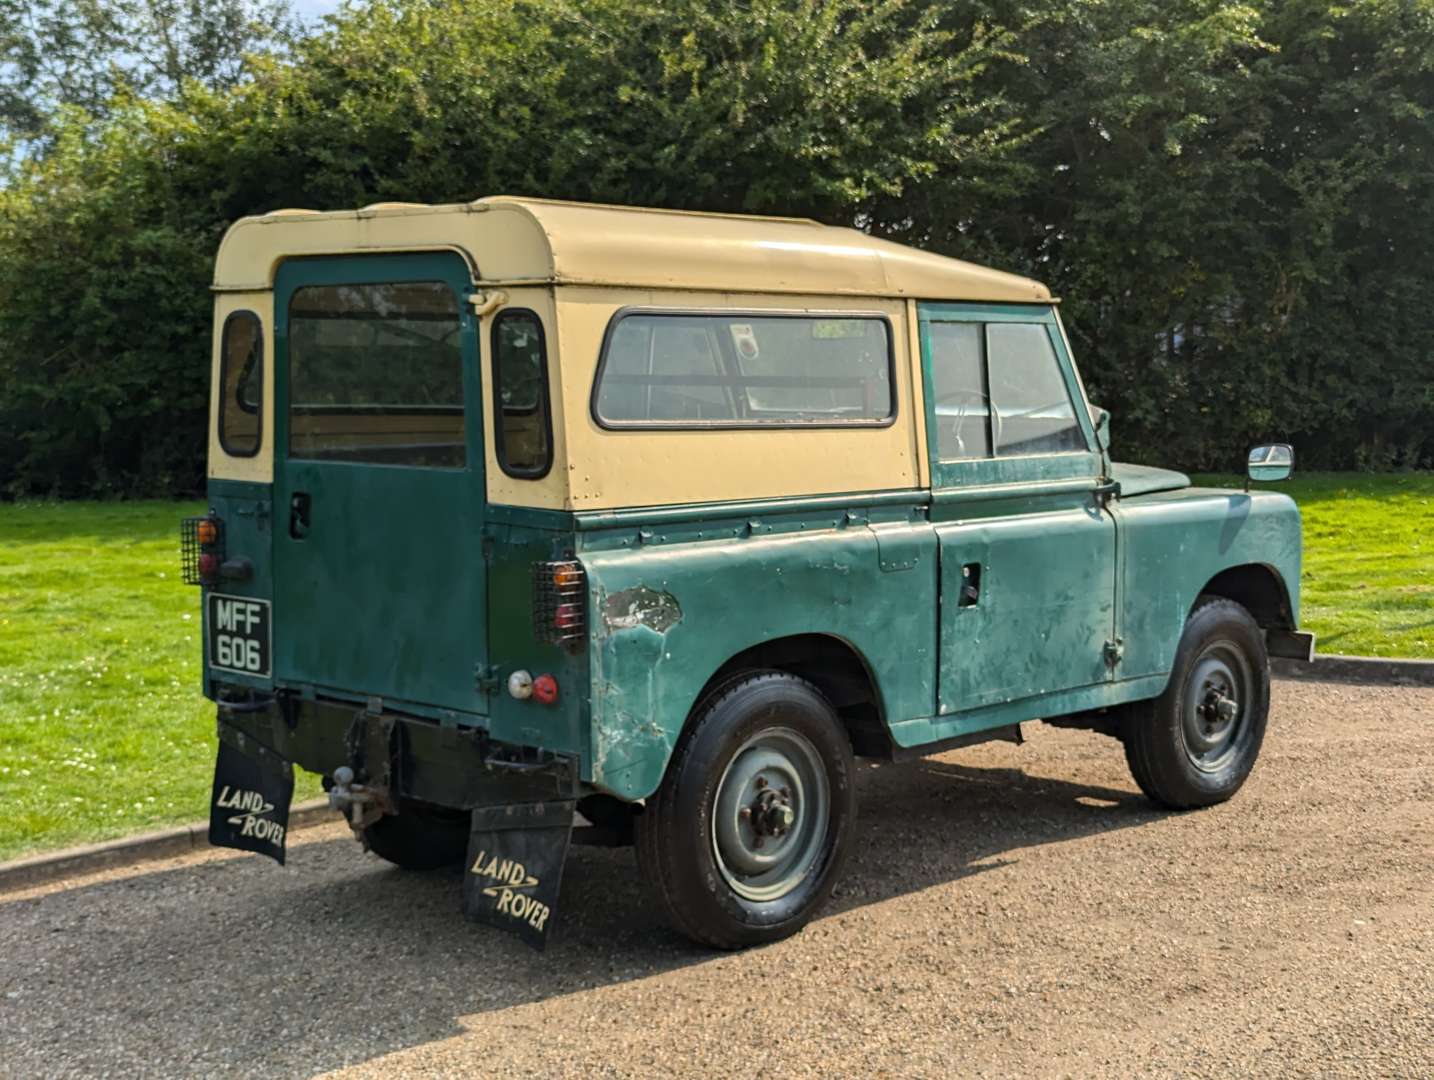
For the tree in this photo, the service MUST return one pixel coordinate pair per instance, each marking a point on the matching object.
(83, 54)
(1229, 196)
(822, 107)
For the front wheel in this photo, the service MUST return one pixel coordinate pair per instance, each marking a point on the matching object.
(1196, 743)
(744, 840)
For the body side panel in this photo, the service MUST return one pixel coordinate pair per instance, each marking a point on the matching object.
(550, 489)
(1174, 542)
(245, 509)
(513, 541)
(611, 469)
(259, 467)
(665, 615)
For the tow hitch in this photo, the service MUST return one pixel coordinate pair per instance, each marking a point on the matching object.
(361, 804)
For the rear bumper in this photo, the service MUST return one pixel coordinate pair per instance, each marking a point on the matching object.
(413, 758)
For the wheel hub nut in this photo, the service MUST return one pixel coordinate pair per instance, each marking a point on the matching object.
(1218, 708)
(770, 814)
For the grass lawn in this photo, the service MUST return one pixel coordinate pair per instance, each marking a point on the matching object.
(103, 731)
(1368, 582)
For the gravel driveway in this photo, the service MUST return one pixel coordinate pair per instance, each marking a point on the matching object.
(1008, 911)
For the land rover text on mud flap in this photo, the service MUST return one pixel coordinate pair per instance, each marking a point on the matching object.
(526, 512)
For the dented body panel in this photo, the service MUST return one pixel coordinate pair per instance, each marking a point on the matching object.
(667, 614)
(670, 613)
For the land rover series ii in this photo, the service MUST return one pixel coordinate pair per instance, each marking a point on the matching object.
(524, 512)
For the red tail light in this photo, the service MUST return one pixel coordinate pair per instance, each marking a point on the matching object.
(545, 689)
(560, 602)
(201, 549)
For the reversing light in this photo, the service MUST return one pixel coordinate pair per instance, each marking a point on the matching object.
(560, 602)
(520, 685)
(545, 689)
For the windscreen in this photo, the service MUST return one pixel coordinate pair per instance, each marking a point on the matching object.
(376, 374)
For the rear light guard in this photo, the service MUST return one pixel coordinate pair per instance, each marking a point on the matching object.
(560, 602)
(201, 549)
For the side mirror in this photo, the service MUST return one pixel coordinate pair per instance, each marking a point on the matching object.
(1273, 461)
(1101, 419)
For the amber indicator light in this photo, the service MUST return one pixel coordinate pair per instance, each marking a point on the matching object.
(559, 603)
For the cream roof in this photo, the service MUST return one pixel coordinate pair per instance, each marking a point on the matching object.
(513, 240)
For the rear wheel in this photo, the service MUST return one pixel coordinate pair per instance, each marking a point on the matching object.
(420, 836)
(1196, 743)
(746, 836)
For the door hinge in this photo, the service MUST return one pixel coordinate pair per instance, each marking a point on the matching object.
(485, 302)
(1114, 651)
(485, 678)
(259, 512)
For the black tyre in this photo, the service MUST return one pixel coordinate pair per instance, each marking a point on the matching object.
(420, 836)
(745, 838)
(1196, 743)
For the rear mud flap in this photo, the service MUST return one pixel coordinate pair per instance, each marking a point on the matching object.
(249, 807)
(515, 866)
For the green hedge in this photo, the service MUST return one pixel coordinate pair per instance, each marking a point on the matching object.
(1230, 197)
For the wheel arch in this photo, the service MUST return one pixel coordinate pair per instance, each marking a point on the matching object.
(1259, 588)
(834, 666)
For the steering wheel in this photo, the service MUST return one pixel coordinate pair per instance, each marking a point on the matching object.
(962, 397)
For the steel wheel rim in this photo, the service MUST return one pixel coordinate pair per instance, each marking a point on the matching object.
(775, 778)
(1214, 723)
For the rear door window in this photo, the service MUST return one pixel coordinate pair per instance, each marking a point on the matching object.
(376, 374)
(678, 369)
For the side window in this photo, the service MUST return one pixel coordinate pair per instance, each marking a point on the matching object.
(958, 380)
(1033, 411)
(524, 430)
(745, 369)
(664, 370)
(241, 382)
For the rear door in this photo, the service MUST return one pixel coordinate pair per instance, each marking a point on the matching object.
(380, 586)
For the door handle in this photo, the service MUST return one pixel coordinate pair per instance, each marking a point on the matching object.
(970, 594)
(299, 515)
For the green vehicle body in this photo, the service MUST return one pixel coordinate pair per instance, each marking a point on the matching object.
(1087, 574)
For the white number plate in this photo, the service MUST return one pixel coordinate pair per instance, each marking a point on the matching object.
(239, 634)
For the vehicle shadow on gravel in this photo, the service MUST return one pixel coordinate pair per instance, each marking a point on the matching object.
(340, 958)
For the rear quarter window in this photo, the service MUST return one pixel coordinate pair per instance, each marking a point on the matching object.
(523, 436)
(241, 384)
(675, 369)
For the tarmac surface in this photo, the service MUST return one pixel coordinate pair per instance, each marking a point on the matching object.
(1007, 911)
